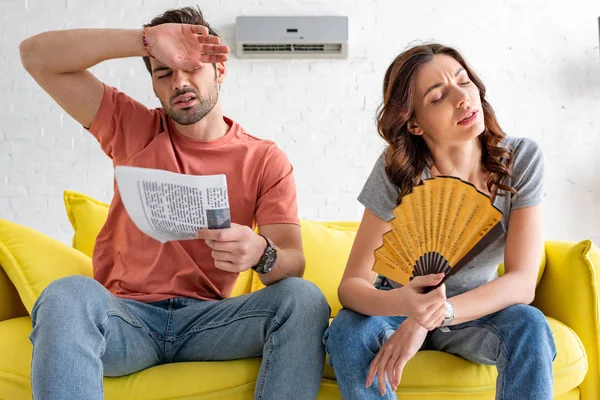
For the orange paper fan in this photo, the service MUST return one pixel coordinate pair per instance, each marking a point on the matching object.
(439, 227)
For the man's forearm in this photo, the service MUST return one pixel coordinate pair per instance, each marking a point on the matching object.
(75, 50)
(290, 263)
(491, 297)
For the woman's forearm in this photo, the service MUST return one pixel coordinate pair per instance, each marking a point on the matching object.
(491, 297)
(358, 295)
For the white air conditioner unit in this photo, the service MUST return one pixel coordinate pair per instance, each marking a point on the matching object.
(292, 37)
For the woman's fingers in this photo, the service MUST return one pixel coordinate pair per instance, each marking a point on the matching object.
(398, 369)
(437, 317)
(373, 369)
(381, 373)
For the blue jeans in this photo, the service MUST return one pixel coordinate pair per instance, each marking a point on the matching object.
(517, 340)
(82, 332)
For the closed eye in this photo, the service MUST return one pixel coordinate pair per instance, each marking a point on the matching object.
(464, 83)
(438, 98)
(165, 75)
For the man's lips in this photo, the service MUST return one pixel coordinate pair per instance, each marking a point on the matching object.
(184, 98)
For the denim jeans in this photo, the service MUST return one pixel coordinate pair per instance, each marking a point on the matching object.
(82, 332)
(517, 340)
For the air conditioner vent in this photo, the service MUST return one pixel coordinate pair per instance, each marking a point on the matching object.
(292, 37)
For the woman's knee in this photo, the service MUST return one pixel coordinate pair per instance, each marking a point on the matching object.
(529, 327)
(351, 335)
(528, 316)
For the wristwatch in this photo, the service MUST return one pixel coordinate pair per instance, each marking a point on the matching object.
(448, 319)
(267, 261)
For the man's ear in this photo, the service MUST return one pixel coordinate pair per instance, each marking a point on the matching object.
(220, 72)
(414, 127)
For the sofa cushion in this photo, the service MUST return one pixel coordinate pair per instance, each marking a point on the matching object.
(193, 380)
(326, 247)
(32, 260)
(446, 373)
(87, 216)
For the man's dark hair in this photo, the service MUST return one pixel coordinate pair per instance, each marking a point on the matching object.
(184, 15)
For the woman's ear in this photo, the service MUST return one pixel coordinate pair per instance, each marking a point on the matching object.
(414, 127)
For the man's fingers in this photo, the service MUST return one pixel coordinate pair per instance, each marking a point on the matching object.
(222, 246)
(226, 266)
(199, 29)
(220, 235)
(209, 39)
(209, 234)
(223, 256)
(213, 48)
(211, 58)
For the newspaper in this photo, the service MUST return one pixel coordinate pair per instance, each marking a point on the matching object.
(170, 206)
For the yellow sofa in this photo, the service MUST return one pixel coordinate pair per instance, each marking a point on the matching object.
(568, 294)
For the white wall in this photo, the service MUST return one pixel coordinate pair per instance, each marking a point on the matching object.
(539, 59)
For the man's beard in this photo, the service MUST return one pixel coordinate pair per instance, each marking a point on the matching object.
(191, 115)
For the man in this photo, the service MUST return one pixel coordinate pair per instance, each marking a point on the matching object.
(153, 303)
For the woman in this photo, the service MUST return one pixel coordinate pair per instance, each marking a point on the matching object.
(436, 121)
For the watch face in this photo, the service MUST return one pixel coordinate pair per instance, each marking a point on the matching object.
(268, 260)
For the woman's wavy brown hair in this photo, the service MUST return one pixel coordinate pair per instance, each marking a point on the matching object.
(407, 155)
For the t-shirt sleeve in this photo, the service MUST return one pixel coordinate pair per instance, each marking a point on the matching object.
(277, 202)
(527, 175)
(379, 194)
(123, 126)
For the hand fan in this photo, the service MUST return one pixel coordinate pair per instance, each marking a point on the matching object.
(439, 227)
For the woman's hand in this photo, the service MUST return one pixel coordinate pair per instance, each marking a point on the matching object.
(426, 309)
(395, 353)
(185, 47)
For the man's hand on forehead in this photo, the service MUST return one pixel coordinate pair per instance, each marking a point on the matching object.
(185, 47)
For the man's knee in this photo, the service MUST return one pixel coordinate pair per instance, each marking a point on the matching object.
(303, 294)
(302, 298)
(67, 295)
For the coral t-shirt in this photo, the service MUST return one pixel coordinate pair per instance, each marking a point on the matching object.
(260, 185)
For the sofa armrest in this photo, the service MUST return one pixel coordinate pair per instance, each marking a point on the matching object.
(569, 291)
(32, 260)
(11, 305)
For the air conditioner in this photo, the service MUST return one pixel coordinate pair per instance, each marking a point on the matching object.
(292, 37)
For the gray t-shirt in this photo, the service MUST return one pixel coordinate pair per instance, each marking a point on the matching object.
(379, 195)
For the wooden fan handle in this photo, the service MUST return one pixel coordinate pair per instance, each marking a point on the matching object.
(496, 232)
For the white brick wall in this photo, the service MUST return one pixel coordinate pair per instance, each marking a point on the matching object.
(539, 59)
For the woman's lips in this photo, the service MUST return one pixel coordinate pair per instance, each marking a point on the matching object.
(469, 119)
